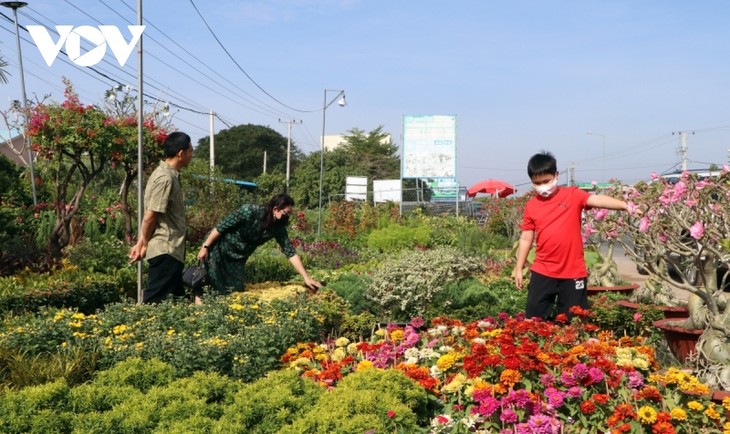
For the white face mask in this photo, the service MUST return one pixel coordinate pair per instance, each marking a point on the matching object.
(546, 190)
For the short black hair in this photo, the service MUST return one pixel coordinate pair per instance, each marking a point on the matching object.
(176, 142)
(542, 163)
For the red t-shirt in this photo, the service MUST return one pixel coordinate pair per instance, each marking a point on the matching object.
(557, 225)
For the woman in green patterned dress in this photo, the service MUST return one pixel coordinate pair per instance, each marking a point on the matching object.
(237, 236)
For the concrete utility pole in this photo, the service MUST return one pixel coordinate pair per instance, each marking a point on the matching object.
(683, 147)
(288, 149)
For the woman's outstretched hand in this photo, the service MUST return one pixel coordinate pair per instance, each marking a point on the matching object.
(312, 284)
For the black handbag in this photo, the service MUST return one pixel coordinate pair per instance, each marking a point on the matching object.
(195, 276)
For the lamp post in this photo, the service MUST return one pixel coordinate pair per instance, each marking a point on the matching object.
(15, 6)
(603, 160)
(326, 104)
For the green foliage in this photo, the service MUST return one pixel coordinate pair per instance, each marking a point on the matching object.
(405, 285)
(35, 409)
(135, 372)
(464, 234)
(396, 237)
(270, 183)
(105, 255)
(239, 151)
(208, 202)
(352, 287)
(471, 299)
(609, 315)
(238, 335)
(87, 291)
(363, 400)
(270, 403)
(25, 368)
(268, 264)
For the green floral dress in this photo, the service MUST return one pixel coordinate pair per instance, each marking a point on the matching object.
(241, 234)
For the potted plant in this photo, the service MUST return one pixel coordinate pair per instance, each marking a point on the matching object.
(679, 232)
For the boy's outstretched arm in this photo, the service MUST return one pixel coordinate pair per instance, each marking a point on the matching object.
(607, 202)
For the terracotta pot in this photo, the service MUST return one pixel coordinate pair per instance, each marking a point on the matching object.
(624, 289)
(674, 312)
(681, 340)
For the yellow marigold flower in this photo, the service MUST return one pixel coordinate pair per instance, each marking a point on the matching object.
(342, 342)
(236, 306)
(300, 362)
(678, 414)
(139, 346)
(291, 351)
(321, 357)
(293, 313)
(446, 361)
(255, 307)
(726, 428)
(380, 332)
(170, 332)
(80, 335)
(646, 415)
(694, 405)
(75, 324)
(338, 354)
(59, 316)
(363, 365)
(712, 413)
(78, 315)
(455, 385)
(726, 403)
(19, 329)
(510, 377)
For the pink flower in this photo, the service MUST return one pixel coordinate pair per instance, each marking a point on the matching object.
(631, 208)
(644, 224)
(391, 414)
(654, 176)
(600, 214)
(637, 317)
(697, 230)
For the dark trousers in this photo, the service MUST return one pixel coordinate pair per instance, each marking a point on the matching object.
(165, 277)
(547, 296)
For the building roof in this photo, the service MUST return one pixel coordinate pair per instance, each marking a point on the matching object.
(14, 150)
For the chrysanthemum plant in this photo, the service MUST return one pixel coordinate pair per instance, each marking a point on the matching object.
(680, 233)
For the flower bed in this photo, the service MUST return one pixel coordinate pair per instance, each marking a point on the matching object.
(516, 375)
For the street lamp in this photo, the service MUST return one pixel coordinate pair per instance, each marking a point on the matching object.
(15, 6)
(326, 104)
(603, 161)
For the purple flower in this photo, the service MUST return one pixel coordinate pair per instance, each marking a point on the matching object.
(596, 375)
(580, 371)
(636, 380)
(575, 392)
(547, 380)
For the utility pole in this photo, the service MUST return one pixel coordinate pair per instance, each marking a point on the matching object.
(288, 149)
(683, 147)
(264, 162)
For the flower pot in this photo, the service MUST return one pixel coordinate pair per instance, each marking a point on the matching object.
(673, 312)
(681, 340)
(623, 289)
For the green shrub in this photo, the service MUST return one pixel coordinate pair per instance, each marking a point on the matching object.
(35, 409)
(361, 403)
(396, 237)
(102, 255)
(22, 368)
(352, 287)
(88, 292)
(268, 264)
(270, 403)
(137, 373)
(471, 299)
(405, 285)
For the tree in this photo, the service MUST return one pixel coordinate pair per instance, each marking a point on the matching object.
(122, 111)
(372, 155)
(239, 151)
(78, 141)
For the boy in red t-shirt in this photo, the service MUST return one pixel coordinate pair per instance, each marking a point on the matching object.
(552, 219)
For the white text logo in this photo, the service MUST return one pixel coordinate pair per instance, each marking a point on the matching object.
(72, 38)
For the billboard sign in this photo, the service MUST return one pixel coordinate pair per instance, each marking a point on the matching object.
(429, 146)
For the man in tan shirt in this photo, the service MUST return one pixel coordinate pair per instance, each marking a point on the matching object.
(162, 236)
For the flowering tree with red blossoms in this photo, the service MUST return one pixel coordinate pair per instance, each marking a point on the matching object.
(680, 233)
(79, 141)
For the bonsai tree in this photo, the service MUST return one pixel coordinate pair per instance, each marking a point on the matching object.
(679, 232)
(78, 141)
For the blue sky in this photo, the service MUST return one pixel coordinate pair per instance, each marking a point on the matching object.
(520, 76)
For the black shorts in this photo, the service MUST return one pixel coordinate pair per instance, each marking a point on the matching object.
(548, 296)
(165, 277)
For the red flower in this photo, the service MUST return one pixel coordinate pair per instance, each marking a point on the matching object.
(662, 428)
(391, 414)
(587, 407)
